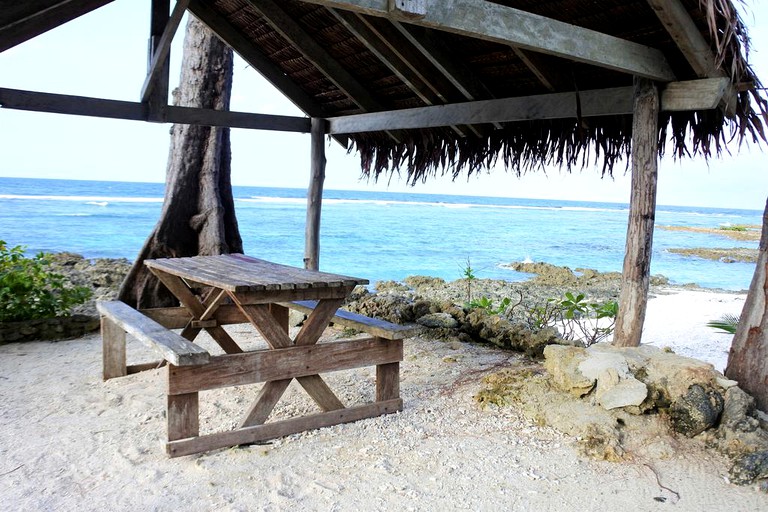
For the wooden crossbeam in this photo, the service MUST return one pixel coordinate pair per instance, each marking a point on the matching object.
(501, 24)
(134, 111)
(690, 95)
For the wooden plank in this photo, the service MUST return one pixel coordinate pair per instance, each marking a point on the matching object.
(161, 50)
(285, 296)
(636, 272)
(702, 94)
(183, 416)
(23, 20)
(685, 95)
(387, 381)
(171, 346)
(258, 433)
(113, 349)
(501, 24)
(283, 363)
(143, 367)
(281, 315)
(374, 326)
(133, 111)
(315, 195)
(678, 23)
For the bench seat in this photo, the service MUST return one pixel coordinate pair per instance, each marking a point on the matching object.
(119, 318)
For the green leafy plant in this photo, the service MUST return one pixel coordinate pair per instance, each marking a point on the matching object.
(487, 304)
(469, 275)
(575, 318)
(30, 290)
(726, 323)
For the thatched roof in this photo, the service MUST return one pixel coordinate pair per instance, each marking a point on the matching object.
(336, 58)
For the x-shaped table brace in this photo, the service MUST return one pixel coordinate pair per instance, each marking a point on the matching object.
(262, 319)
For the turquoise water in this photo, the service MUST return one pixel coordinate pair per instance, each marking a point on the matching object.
(377, 235)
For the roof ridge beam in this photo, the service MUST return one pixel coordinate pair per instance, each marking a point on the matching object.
(701, 94)
(506, 25)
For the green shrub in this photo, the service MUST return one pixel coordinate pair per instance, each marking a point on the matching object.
(575, 318)
(726, 323)
(30, 290)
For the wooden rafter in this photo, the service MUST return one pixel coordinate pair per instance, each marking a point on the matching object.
(687, 36)
(289, 29)
(678, 23)
(498, 23)
(394, 53)
(256, 59)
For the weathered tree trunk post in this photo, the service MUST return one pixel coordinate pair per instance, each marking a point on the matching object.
(748, 358)
(198, 215)
(635, 276)
(315, 196)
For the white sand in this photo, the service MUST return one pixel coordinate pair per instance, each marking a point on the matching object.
(73, 442)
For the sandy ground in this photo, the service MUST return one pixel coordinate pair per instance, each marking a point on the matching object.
(73, 442)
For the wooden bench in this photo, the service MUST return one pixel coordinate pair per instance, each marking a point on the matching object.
(118, 318)
(192, 369)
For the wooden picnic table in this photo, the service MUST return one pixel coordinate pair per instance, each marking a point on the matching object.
(229, 289)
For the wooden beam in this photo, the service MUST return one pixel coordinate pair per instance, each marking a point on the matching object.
(689, 95)
(133, 111)
(694, 47)
(315, 195)
(23, 20)
(160, 49)
(501, 24)
(635, 276)
(676, 20)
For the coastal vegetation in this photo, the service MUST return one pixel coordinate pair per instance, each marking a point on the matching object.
(741, 232)
(30, 289)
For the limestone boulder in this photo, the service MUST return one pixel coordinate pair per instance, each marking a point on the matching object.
(696, 411)
(562, 363)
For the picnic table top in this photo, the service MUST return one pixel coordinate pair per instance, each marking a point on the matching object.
(240, 273)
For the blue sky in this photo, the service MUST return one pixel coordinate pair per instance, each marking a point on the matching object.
(103, 54)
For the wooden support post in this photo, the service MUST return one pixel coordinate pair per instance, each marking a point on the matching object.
(157, 95)
(183, 416)
(113, 349)
(387, 381)
(642, 212)
(315, 196)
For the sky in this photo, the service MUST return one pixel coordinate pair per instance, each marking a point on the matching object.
(103, 54)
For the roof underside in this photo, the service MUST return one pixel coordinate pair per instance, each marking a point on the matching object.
(332, 60)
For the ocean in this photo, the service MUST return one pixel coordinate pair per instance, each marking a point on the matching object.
(378, 235)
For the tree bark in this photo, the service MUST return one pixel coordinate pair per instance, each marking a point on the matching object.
(198, 214)
(748, 358)
(636, 272)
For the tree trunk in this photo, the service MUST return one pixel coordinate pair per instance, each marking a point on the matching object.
(636, 272)
(748, 358)
(198, 215)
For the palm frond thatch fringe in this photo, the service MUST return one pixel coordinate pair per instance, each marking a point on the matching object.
(577, 143)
